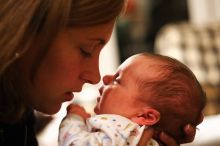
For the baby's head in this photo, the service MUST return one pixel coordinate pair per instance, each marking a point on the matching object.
(153, 90)
(174, 92)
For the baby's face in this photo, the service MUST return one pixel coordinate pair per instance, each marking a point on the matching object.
(120, 93)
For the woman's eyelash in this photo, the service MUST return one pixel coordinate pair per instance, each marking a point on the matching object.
(85, 53)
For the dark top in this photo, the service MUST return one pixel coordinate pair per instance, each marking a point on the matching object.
(19, 134)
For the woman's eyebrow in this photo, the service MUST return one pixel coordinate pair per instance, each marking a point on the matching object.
(100, 40)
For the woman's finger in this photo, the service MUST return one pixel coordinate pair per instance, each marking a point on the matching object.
(201, 117)
(166, 139)
(190, 133)
(147, 135)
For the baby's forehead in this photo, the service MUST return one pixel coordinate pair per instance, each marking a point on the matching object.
(141, 66)
(136, 61)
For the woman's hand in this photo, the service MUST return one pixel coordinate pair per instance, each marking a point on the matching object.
(189, 136)
(77, 109)
(147, 135)
(190, 132)
(166, 139)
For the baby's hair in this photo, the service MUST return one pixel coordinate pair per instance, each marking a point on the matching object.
(174, 92)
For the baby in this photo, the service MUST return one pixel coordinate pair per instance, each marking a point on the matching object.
(148, 90)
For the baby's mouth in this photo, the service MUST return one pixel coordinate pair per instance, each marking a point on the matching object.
(96, 108)
(101, 90)
(98, 99)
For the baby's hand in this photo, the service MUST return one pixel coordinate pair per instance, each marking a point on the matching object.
(77, 109)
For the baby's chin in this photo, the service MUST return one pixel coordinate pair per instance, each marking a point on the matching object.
(96, 110)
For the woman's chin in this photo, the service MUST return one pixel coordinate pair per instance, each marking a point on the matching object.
(53, 110)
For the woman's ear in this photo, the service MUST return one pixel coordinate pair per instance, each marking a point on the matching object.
(148, 116)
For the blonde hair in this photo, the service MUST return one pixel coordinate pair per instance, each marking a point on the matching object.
(23, 20)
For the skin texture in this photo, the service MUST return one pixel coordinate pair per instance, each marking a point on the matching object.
(71, 61)
(60, 72)
(124, 84)
(120, 90)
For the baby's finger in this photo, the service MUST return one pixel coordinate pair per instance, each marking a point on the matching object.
(74, 107)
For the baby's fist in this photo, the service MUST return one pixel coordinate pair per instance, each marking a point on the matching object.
(77, 109)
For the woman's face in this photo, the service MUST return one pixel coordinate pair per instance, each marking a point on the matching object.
(72, 60)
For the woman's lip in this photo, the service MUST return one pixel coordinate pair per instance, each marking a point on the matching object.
(68, 96)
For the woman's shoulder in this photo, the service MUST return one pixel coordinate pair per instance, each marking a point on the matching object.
(20, 132)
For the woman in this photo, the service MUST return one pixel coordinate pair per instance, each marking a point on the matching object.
(49, 49)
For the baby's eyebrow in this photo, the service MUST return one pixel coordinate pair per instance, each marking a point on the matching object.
(116, 74)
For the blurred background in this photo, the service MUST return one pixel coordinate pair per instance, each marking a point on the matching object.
(188, 30)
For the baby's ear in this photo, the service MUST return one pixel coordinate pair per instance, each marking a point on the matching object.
(148, 116)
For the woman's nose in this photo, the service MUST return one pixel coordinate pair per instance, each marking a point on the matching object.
(91, 73)
(92, 77)
(107, 79)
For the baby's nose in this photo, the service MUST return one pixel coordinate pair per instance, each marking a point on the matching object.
(107, 79)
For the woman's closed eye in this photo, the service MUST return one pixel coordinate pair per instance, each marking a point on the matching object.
(85, 53)
(87, 50)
